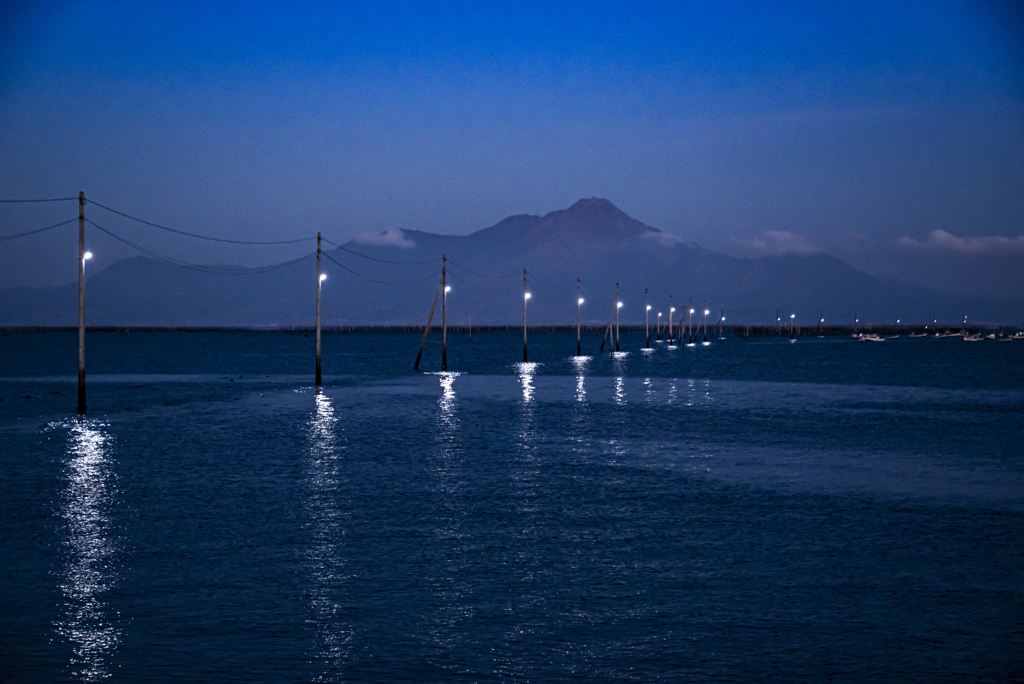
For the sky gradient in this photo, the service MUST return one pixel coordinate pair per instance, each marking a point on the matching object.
(891, 137)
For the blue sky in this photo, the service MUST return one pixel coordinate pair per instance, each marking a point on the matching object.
(859, 129)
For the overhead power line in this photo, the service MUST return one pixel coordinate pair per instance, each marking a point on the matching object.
(201, 237)
(483, 275)
(38, 230)
(506, 288)
(199, 267)
(380, 282)
(48, 199)
(383, 261)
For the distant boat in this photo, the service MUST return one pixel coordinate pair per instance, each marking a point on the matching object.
(973, 338)
(917, 334)
(874, 338)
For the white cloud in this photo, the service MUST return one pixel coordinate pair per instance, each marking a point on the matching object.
(777, 242)
(666, 239)
(389, 238)
(941, 241)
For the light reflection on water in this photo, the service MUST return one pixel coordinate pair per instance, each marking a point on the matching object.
(526, 372)
(452, 602)
(582, 365)
(329, 517)
(87, 622)
(521, 561)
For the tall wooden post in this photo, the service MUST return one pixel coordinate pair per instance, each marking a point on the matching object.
(579, 301)
(319, 281)
(618, 305)
(671, 309)
(647, 322)
(525, 297)
(705, 320)
(81, 302)
(444, 313)
(689, 329)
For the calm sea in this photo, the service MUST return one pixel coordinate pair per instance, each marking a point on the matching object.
(759, 510)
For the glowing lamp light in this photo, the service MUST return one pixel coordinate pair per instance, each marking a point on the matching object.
(619, 305)
(648, 307)
(723, 318)
(323, 277)
(707, 311)
(580, 301)
(672, 310)
(691, 310)
(527, 295)
(447, 289)
(87, 255)
(792, 315)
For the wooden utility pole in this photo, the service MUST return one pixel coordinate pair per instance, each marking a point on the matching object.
(671, 309)
(579, 301)
(444, 313)
(607, 331)
(319, 280)
(81, 302)
(416, 366)
(526, 295)
(647, 322)
(618, 305)
(705, 320)
(689, 319)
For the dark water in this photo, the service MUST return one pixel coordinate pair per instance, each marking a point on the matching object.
(747, 511)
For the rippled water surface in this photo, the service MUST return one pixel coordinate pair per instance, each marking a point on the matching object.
(746, 511)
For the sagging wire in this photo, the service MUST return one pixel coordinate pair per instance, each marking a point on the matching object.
(38, 230)
(383, 261)
(199, 267)
(379, 282)
(202, 237)
(481, 289)
(482, 275)
(49, 199)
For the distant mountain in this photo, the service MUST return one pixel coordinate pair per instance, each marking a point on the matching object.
(592, 240)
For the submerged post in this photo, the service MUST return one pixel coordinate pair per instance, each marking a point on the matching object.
(579, 301)
(81, 302)
(444, 313)
(319, 280)
(526, 295)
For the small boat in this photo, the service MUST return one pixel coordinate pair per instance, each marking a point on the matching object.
(917, 335)
(872, 338)
(973, 338)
